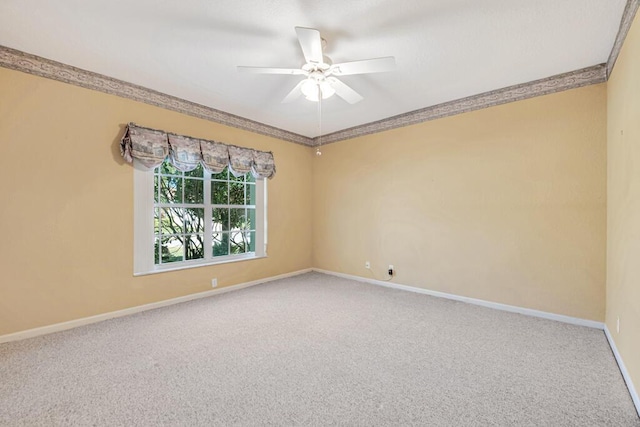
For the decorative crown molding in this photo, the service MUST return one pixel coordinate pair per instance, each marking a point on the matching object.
(32, 64)
(625, 24)
(558, 83)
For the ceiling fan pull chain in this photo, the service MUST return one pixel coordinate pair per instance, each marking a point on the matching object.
(318, 152)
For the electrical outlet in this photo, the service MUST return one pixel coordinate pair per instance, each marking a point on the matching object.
(618, 325)
(367, 265)
(214, 282)
(391, 271)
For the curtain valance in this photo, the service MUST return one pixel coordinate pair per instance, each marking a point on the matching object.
(151, 147)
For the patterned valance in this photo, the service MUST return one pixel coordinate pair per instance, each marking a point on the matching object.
(151, 147)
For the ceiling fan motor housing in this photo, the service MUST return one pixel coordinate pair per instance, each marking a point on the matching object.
(322, 67)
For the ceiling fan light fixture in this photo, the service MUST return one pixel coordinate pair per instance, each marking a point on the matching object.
(326, 89)
(310, 89)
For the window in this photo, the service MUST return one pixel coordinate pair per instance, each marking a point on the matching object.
(188, 219)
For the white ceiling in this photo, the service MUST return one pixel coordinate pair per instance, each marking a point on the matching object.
(444, 49)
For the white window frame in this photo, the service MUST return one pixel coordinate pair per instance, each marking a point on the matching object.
(143, 227)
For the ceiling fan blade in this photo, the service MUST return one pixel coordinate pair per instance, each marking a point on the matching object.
(311, 44)
(268, 70)
(344, 91)
(294, 94)
(375, 65)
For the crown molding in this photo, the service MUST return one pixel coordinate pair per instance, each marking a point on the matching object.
(625, 24)
(557, 83)
(32, 64)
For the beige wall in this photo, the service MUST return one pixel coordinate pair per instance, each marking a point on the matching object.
(623, 213)
(67, 205)
(505, 204)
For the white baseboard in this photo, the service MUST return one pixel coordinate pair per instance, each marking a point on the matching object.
(57, 327)
(483, 303)
(623, 370)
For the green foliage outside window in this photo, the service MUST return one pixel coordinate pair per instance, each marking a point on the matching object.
(179, 215)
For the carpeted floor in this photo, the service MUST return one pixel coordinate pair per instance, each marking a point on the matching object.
(316, 350)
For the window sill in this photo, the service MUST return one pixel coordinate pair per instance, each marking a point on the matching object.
(168, 267)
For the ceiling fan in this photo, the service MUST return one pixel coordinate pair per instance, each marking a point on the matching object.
(320, 72)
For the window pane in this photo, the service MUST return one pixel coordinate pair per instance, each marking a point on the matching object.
(219, 193)
(222, 175)
(195, 246)
(252, 241)
(220, 217)
(194, 191)
(197, 172)
(220, 244)
(236, 178)
(193, 220)
(238, 242)
(172, 249)
(251, 194)
(251, 219)
(156, 221)
(236, 193)
(155, 188)
(167, 168)
(250, 177)
(170, 189)
(156, 250)
(172, 221)
(237, 219)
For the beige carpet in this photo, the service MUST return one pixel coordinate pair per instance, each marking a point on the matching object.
(316, 350)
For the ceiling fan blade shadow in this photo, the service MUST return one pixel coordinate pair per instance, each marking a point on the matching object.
(311, 44)
(365, 66)
(269, 70)
(294, 94)
(344, 91)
